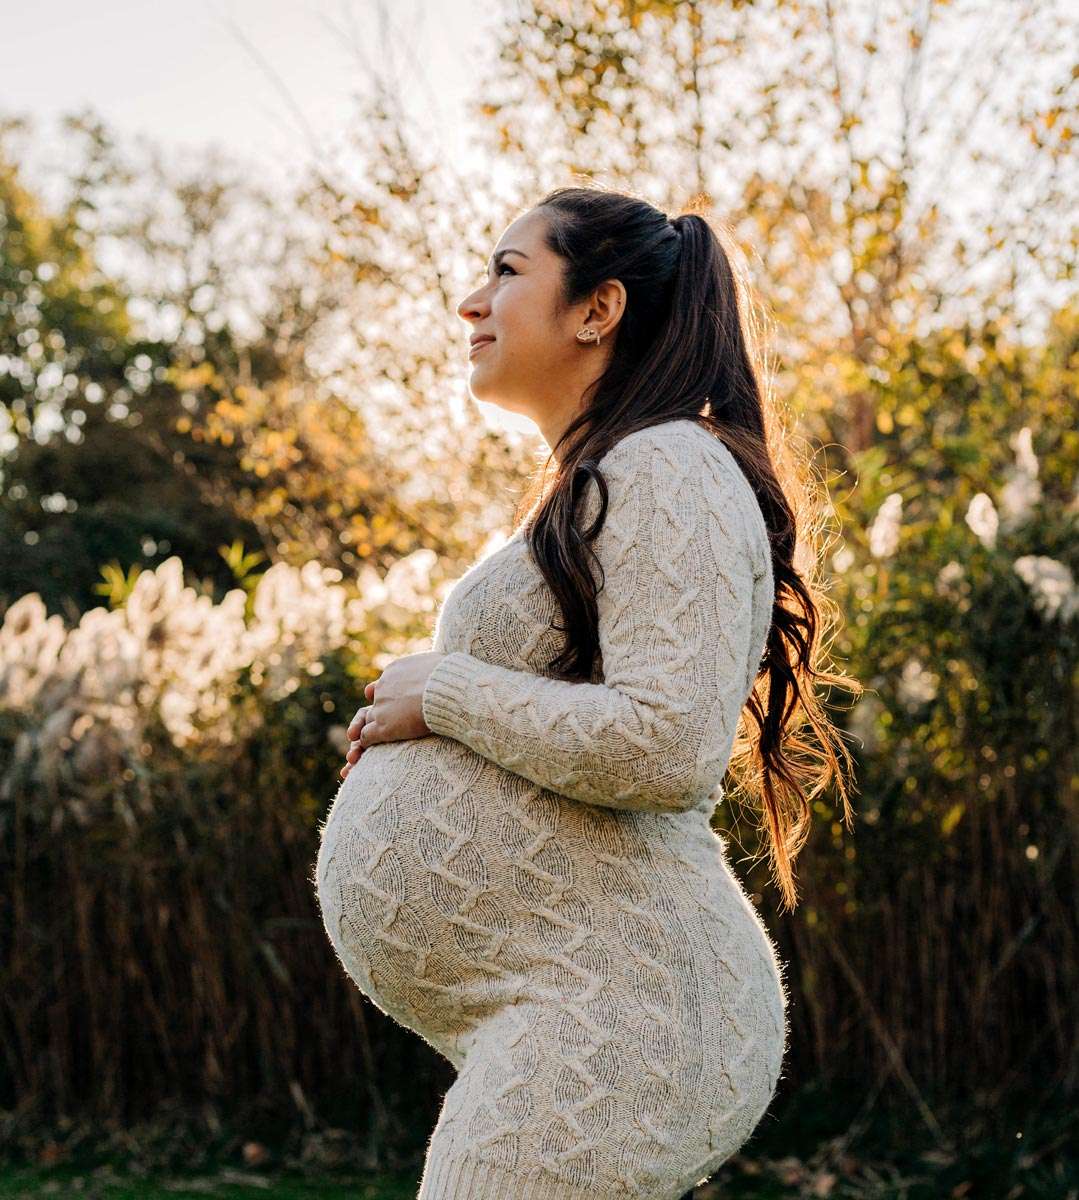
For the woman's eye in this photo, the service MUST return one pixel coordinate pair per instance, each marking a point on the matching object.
(505, 267)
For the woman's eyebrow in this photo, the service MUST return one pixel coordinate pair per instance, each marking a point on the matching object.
(501, 254)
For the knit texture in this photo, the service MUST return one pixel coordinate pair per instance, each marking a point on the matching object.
(535, 888)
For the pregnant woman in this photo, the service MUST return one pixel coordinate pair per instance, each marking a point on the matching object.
(519, 865)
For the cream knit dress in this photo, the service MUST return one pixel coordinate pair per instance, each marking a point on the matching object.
(535, 888)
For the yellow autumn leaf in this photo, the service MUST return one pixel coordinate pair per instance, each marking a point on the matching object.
(952, 818)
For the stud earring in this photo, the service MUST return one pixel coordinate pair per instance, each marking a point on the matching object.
(588, 335)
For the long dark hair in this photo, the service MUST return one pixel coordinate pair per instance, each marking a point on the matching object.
(683, 350)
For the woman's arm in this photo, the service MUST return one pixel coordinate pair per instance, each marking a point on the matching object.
(674, 630)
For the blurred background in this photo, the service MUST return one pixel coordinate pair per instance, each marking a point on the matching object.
(239, 468)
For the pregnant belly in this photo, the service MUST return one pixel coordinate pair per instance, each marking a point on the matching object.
(451, 887)
(418, 856)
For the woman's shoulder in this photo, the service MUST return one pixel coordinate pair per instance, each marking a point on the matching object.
(679, 439)
(681, 448)
(681, 461)
(669, 433)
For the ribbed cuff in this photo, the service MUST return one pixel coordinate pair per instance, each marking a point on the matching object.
(462, 1176)
(443, 702)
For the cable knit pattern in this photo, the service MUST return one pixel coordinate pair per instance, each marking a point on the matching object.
(535, 888)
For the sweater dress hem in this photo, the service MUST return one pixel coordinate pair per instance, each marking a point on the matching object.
(463, 1176)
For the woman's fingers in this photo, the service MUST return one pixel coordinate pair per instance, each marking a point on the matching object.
(356, 724)
(355, 734)
(355, 749)
(352, 757)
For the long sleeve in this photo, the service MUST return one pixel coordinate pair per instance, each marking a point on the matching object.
(682, 548)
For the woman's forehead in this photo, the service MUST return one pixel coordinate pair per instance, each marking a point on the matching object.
(524, 233)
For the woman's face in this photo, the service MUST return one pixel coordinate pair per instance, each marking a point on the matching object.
(534, 364)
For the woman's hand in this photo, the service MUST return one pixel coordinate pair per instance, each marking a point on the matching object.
(396, 709)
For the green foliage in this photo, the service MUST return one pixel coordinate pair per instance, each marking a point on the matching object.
(242, 565)
(117, 583)
(973, 680)
(131, 444)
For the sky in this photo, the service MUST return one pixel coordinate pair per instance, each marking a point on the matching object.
(243, 74)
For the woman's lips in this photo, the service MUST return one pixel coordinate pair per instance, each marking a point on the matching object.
(479, 346)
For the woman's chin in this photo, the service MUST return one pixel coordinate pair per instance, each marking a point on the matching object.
(480, 386)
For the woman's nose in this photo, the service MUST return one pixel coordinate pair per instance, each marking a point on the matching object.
(472, 307)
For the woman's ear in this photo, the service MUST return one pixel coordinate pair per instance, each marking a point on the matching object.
(607, 306)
